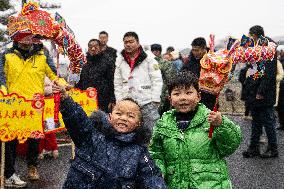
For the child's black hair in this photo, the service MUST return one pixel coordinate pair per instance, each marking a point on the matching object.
(257, 30)
(182, 79)
(199, 42)
(128, 99)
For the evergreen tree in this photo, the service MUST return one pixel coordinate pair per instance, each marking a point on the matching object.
(5, 11)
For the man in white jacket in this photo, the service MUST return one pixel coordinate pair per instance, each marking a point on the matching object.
(138, 76)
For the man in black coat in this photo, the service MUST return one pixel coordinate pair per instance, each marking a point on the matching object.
(261, 96)
(98, 73)
(108, 51)
(199, 49)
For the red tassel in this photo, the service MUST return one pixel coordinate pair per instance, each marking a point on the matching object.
(56, 107)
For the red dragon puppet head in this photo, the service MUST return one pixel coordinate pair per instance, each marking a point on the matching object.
(216, 66)
(32, 25)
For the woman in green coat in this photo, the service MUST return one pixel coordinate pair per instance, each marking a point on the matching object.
(180, 144)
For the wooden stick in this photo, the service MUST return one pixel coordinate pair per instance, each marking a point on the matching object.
(2, 165)
(73, 150)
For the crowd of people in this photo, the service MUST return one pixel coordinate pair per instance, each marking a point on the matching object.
(151, 129)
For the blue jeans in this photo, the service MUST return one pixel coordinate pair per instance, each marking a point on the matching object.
(263, 117)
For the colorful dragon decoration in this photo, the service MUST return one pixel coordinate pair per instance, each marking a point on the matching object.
(216, 66)
(33, 24)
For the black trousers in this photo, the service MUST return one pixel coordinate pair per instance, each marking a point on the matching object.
(263, 117)
(10, 155)
(247, 109)
(280, 107)
(209, 100)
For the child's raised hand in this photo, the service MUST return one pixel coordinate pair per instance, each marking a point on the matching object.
(215, 118)
(58, 88)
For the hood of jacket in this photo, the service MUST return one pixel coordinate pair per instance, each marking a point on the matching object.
(171, 129)
(27, 53)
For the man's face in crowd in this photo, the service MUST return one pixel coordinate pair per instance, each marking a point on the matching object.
(255, 38)
(25, 46)
(156, 53)
(131, 45)
(103, 39)
(198, 52)
(94, 48)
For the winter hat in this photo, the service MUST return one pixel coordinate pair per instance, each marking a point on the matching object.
(175, 54)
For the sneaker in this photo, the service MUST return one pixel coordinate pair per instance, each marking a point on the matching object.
(251, 152)
(32, 173)
(44, 154)
(55, 154)
(281, 127)
(270, 153)
(249, 118)
(41, 156)
(263, 139)
(15, 181)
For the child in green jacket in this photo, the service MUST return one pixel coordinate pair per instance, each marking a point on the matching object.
(180, 145)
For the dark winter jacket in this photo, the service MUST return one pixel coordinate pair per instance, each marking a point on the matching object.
(99, 73)
(192, 65)
(111, 55)
(242, 79)
(104, 158)
(264, 86)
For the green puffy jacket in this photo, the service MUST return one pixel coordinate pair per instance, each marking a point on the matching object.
(190, 159)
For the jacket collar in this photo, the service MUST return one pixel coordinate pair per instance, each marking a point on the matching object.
(140, 58)
(93, 58)
(170, 129)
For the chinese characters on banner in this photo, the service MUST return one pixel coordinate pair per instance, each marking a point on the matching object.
(21, 119)
(87, 99)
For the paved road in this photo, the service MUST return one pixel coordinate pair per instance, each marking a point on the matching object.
(245, 173)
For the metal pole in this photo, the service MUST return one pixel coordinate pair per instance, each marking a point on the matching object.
(2, 165)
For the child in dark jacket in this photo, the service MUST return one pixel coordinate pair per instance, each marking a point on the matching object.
(110, 149)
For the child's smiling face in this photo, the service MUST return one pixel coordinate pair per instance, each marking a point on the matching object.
(184, 98)
(125, 117)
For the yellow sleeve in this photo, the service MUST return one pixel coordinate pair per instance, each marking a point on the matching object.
(3, 89)
(52, 76)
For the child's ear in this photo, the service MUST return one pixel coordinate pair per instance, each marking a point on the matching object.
(170, 99)
(199, 96)
(109, 117)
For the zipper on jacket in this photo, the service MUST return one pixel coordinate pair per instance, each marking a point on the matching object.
(181, 134)
(147, 161)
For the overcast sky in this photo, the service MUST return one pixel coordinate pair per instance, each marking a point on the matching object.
(175, 22)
